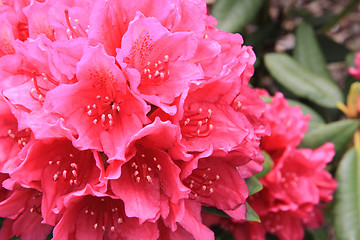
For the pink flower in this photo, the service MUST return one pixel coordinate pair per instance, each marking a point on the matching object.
(58, 20)
(22, 208)
(287, 124)
(12, 139)
(215, 182)
(294, 190)
(355, 71)
(58, 169)
(99, 107)
(92, 215)
(160, 58)
(150, 178)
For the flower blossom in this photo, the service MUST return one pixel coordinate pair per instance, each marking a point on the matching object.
(122, 119)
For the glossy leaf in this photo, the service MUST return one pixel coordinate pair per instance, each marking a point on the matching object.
(268, 164)
(308, 52)
(302, 82)
(253, 185)
(347, 197)
(215, 211)
(233, 15)
(340, 133)
(251, 215)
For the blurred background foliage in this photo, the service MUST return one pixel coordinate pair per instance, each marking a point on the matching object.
(304, 49)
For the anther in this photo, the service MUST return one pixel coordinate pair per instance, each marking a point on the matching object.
(166, 58)
(55, 177)
(148, 178)
(64, 174)
(95, 226)
(120, 220)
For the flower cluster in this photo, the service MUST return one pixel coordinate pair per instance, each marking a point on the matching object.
(296, 187)
(121, 118)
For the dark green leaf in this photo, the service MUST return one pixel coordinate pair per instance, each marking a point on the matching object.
(340, 133)
(308, 52)
(318, 234)
(302, 82)
(253, 185)
(268, 163)
(215, 211)
(251, 215)
(347, 197)
(233, 15)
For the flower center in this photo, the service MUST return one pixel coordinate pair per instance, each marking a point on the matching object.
(21, 137)
(66, 169)
(75, 31)
(157, 72)
(197, 124)
(144, 167)
(105, 213)
(42, 84)
(104, 111)
(201, 182)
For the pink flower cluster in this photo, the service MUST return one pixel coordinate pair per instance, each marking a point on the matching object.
(121, 118)
(296, 187)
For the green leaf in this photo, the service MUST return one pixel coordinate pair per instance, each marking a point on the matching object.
(233, 15)
(253, 185)
(347, 197)
(308, 52)
(340, 133)
(318, 234)
(251, 215)
(215, 211)
(268, 163)
(302, 82)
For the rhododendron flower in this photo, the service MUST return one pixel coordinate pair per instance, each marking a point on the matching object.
(12, 140)
(97, 216)
(62, 170)
(355, 71)
(122, 119)
(294, 191)
(100, 104)
(22, 208)
(150, 178)
(287, 124)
